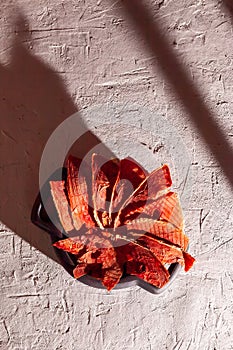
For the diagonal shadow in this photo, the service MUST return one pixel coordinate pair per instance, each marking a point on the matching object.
(189, 95)
(33, 102)
(228, 5)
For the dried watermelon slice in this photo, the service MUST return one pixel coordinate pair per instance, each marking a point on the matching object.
(71, 245)
(166, 253)
(78, 193)
(104, 175)
(80, 270)
(151, 188)
(159, 229)
(91, 241)
(130, 176)
(111, 276)
(145, 265)
(61, 204)
(189, 261)
(167, 208)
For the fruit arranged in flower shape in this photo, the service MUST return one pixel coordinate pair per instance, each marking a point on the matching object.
(120, 220)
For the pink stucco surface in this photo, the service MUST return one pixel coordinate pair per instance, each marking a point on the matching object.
(173, 58)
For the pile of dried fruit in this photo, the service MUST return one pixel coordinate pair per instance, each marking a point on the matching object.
(120, 220)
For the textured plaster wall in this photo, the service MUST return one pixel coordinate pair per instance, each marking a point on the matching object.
(57, 57)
